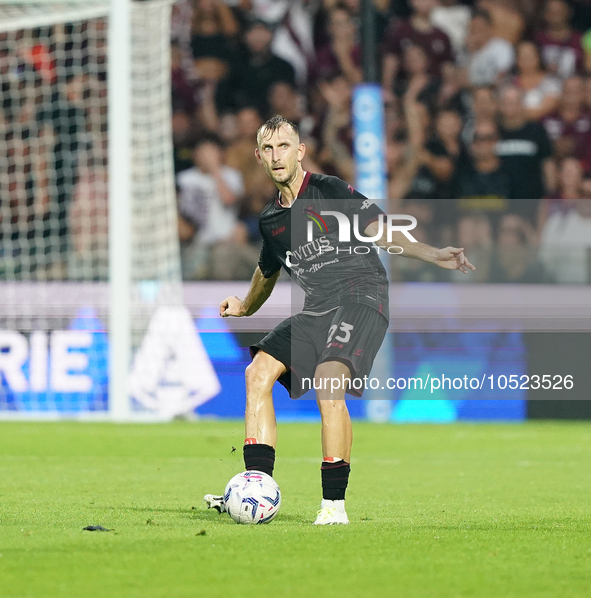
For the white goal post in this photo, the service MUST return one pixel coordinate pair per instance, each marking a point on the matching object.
(92, 323)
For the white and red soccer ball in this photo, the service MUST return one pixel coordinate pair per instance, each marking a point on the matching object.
(252, 497)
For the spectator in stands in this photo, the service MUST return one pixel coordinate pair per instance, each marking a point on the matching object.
(419, 31)
(566, 241)
(180, 21)
(570, 177)
(587, 99)
(453, 18)
(402, 165)
(541, 92)
(526, 152)
(213, 31)
(66, 116)
(417, 75)
(507, 18)
(409, 175)
(570, 181)
(474, 233)
(213, 242)
(321, 17)
(291, 22)
(448, 128)
(515, 257)
(341, 54)
(451, 94)
(334, 129)
(285, 100)
(184, 137)
(441, 120)
(180, 35)
(561, 45)
(483, 105)
(254, 72)
(240, 155)
(184, 91)
(486, 58)
(228, 128)
(569, 126)
(21, 201)
(89, 255)
(483, 183)
(406, 270)
(422, 209)
(439, 155)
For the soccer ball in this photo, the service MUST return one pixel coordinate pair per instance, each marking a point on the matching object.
(252, 497)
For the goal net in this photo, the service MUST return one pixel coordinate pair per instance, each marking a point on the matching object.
(91, 314)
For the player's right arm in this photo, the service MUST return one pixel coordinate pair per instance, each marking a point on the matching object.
(259, 292)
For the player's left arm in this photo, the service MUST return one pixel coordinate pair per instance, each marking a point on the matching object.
(450, 258)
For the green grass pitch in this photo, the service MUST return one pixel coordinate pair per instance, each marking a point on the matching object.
(436, 511)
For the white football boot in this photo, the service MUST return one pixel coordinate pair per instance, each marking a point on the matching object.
(332, 512)
(215, 502)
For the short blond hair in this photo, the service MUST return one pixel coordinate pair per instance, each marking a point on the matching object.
(274, 124)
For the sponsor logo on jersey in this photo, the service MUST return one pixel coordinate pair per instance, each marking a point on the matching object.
(308, 251)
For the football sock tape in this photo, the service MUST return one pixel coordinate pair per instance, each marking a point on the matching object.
(260, 457)
(335, 477)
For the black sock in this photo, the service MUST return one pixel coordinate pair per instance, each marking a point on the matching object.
(335, 477)
(260, 457)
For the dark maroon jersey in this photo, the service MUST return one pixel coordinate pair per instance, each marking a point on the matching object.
(577, 130)
(562, 57)
(332, 271)
(435, 43)
(326, 64)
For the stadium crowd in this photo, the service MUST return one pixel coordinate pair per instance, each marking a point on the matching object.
(488, 125)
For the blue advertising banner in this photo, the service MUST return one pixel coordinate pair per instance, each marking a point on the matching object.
(458, 352)
(65, 372)
(450, 359)
(369, 142)
(369, 145)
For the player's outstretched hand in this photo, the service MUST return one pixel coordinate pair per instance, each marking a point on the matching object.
(232, 306)
(453, 258)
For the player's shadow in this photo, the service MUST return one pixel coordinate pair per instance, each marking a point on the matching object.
(153, 509)
(212, 515)
(204, 514)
